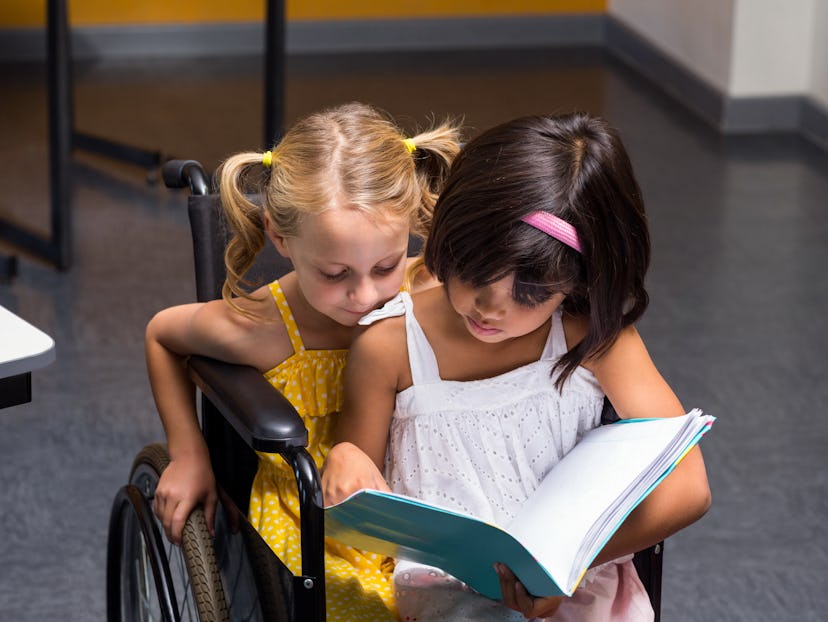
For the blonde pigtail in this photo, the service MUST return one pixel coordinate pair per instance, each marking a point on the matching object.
(412, 271)
(435, 151)
(238, 177)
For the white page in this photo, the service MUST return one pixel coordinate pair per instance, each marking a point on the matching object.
(577, 491)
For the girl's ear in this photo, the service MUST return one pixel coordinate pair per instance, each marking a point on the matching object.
(275, 237)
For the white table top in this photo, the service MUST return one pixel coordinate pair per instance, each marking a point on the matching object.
(23, 348)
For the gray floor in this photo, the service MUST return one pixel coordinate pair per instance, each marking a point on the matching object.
(737, 321)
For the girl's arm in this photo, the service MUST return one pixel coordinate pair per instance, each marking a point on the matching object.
(211, 329)
(372, 377)
(637, 390)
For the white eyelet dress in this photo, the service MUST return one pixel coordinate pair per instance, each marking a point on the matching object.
(482, 447)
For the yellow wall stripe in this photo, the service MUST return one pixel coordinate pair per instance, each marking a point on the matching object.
(31, 13)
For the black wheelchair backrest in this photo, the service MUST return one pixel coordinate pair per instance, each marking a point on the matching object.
(210, 236)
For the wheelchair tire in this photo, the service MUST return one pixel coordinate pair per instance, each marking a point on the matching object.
(148, 577)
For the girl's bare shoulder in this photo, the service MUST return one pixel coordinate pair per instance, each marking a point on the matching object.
(379, 351)
(251, 333)
(385, 333)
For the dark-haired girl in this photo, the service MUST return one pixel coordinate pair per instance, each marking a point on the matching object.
(469, 394)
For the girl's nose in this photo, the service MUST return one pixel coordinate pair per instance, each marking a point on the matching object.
(364, 292)
(489, 303)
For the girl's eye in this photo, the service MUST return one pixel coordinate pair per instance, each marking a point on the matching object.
(334, 277)
(383, 270)
(527, 304)
(530, 296)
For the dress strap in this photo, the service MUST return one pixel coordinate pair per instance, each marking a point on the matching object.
(287, 316)
(555, 346)
(393, 308)
(421, 357)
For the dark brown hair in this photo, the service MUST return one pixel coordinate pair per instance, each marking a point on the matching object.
(575, 167)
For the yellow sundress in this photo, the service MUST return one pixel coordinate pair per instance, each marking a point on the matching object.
(358, 585)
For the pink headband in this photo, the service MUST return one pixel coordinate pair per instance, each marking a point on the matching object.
(555, 227)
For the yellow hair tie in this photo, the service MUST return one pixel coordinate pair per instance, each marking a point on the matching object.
(409, 144)
(267, 158)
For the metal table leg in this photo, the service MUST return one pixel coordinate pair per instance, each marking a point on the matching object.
(274, 67)
(57, 247)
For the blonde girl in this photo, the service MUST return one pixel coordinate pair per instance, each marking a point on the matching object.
(339, 195)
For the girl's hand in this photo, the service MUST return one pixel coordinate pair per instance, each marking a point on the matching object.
(346, 470)
(184, 484)
(516, 597)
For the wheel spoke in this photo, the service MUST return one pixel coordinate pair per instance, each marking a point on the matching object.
(145, 582)
(186, 604)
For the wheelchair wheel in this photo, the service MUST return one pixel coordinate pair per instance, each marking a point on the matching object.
(148, 578)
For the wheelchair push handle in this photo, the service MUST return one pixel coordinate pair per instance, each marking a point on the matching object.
(184, 173)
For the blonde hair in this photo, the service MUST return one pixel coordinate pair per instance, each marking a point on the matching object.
(352, 155)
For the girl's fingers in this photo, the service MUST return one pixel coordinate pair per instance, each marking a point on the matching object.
(161, 509)
(158, 505)
(516, 596)
(546, 607)
(525, 602)
(509, 589)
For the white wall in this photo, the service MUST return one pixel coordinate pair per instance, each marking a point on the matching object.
(819, 67)
(698, 34)
(772, 48)
(743, 48)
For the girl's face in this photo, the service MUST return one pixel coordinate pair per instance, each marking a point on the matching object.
(346, 264)
(491, 314)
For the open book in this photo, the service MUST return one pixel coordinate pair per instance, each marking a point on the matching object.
(557, 533)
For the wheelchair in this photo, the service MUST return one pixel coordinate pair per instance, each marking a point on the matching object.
(233, 575)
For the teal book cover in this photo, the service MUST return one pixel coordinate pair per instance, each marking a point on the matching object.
(558, 531)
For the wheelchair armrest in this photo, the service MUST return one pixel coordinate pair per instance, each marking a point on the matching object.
(262, 416)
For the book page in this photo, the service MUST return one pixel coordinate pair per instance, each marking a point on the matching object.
(557, 532)
(596, 478)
